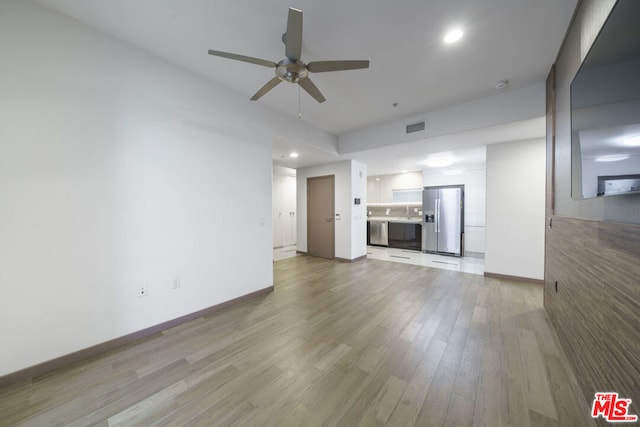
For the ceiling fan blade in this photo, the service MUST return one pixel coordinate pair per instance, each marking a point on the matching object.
(311, 89)
(324, 66)
(293, 39)
(243, 58)
(266, 88)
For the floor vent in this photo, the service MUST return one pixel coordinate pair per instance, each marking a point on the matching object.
(416, 127)
(442, 262)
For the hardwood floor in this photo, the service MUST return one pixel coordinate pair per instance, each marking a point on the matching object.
(350, 344)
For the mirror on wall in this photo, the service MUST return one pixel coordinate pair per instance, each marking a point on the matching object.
(605, 109)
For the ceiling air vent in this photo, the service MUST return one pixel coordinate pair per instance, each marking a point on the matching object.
(415, 127)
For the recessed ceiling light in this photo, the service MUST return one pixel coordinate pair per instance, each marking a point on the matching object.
(404, 171)
(453, 36)
(502, 84)
(293, 154)
(612, 158)
(377, 179)
(632, 141)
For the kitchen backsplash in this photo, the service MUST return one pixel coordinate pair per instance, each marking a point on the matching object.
(396, 211)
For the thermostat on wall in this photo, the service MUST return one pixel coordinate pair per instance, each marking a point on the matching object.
(356, 201)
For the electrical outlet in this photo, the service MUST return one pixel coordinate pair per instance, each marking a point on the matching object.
(143, 291)
(175, 284)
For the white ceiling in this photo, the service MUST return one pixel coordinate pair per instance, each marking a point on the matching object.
(504, 39)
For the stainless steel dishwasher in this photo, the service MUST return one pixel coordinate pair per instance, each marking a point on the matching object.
(378, 232)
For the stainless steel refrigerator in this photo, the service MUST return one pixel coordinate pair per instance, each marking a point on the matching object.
(443, 220)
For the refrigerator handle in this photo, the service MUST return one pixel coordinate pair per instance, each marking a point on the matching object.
(437, 215)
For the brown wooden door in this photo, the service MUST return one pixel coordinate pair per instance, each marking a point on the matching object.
(320, 216)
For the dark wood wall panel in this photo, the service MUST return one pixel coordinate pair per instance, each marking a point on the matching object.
(596, 309)
(596, 263)
(551, 140)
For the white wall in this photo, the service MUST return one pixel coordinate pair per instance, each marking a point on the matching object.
(118, 169)
(350, 229)
(358, 212)
(474, 181)
(516, 209)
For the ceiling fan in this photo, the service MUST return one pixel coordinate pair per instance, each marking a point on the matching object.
(291, 69)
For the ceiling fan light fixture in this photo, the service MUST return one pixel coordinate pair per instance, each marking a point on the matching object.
(291, 71)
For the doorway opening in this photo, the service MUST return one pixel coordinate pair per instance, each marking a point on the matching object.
(283, 205)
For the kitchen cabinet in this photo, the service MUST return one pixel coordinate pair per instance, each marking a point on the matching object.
(380, 188)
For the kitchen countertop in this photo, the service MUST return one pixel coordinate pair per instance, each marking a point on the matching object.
(403, 220)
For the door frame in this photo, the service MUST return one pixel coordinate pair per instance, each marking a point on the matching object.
(333, 213)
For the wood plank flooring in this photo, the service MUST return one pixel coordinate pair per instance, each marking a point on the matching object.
(350, 344)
